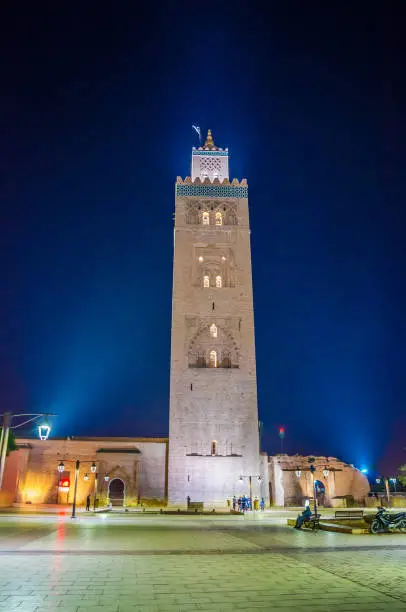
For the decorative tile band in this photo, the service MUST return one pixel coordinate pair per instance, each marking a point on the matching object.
(212, 191)
(215, 153)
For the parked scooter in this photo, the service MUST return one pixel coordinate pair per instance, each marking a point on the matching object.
(385, 521)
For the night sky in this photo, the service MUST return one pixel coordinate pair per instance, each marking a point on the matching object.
(96, 110)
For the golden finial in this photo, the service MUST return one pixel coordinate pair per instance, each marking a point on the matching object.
(209, 140)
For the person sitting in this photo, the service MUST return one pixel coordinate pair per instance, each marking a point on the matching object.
(303, 518)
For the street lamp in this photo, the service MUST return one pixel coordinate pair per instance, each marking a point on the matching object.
(43, 431)
(93, 468)
(259, 478)
(312, 469)
(393, 481)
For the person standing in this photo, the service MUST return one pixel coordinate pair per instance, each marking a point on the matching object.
(262, 504)
(234, 503)
(88, 503)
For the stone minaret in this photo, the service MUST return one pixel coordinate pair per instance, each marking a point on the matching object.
(213, 431)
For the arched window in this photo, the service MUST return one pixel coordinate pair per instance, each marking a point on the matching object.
(206, 218)
(213, 359)
(226, 359)
(201, 360)
(206, 281)
(214, 447)
(219, 218)
(213, 330)
(219, 283)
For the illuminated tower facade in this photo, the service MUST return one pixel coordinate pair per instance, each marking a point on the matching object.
(213, 430)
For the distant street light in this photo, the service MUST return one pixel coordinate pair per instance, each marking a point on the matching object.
(44, 430)
(393, 481)
(312, 469)
(259, 478)
(93, 468)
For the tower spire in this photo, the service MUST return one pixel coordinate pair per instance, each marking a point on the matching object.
(209, 140)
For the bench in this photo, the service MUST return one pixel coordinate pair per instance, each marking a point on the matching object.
(195, 506)
(349, 514)
(313, 522)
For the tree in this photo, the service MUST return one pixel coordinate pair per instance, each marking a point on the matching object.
(402, 474)
(11, 445)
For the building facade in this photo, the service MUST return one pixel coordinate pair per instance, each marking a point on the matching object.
(213, 416)
(337, 484)
(129, 471)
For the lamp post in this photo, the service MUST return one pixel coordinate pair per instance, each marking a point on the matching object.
(250, 477)
(312, 469)
(93, 469)
(386, 482)
(44, 430)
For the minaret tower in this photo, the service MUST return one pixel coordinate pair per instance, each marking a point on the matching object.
(213, 430)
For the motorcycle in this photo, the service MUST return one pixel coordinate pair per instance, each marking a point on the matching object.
(385, 521)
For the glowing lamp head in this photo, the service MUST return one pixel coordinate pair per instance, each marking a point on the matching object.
(241, 479)
(298, 472)
(364, 470)
(107, 478)
(326, 472)
(393, 480)
(86, 477)
(378, 480)
(61, 467)
(93, 468)
(44, 431)
(259, 478)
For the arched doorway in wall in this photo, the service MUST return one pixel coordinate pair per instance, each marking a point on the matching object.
(320, 492)
(116, 492)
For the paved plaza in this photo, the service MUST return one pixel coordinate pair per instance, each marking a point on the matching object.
(182, 563)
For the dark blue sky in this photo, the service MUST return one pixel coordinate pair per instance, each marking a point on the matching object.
(96, 112)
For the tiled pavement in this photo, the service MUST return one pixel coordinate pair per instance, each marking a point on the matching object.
(181, 564)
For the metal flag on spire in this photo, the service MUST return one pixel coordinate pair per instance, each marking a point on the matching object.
(197, 130)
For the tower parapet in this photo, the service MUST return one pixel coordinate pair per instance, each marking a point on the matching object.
(211, 188)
